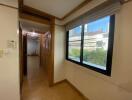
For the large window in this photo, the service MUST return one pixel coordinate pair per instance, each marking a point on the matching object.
(91, 44)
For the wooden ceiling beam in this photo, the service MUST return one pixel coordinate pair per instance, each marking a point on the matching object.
(36, 12)
(27, 9)
(23, 8)
(125, 1)
(33, 18)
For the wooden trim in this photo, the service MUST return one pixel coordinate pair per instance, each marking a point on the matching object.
(25, 54)
(77, 8)
(20, 60)
(8, 6)
(20, 2)
(72, 86)
(51, 68)
(50, 22)
(33, 11)
(30, 10)
(123, 1)
(33, 18)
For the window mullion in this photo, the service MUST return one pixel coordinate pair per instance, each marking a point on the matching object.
(67, 44)
(82, 43)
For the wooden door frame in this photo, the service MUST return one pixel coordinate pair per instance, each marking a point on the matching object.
(25, 54)
(51, 68)
(52, 30)
(20, 57)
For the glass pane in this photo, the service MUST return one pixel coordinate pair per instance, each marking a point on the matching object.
(74, 44)
(96, 36)
(75, 34)
(74, 50)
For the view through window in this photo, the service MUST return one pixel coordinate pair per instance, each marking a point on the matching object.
(88, 44)
(75, 43)
(96, 36)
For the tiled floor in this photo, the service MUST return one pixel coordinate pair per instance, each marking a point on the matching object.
(35, 86)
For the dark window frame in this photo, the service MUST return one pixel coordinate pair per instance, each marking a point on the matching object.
(109, 52)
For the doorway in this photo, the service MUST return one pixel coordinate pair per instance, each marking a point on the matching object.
(33, 55)
(36, 51)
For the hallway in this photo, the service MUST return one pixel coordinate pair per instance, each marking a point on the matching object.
(35, 86)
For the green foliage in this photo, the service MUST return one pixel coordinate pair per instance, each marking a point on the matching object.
(74, 53)
(97, 56)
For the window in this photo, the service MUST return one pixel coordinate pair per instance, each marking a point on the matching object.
(74, 43)
(91, 44)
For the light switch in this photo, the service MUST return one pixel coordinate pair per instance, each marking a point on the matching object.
(1, 53)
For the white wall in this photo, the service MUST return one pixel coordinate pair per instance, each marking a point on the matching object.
(97, 86)
(59, 53)
(9, 58)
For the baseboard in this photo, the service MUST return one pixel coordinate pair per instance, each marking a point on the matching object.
(57, 83)
(73, 87)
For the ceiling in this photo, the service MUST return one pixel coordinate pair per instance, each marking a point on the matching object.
(13, 3)
(31, 26)
(58, 8)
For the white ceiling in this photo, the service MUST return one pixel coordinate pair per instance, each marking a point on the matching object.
(31, 26)
(58, 8)
(13, 3)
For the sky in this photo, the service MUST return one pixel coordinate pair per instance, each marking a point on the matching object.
(101, 24)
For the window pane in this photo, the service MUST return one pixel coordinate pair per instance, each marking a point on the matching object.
(75, 34)
(96, 43)
(74, 44)
(74, 50)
